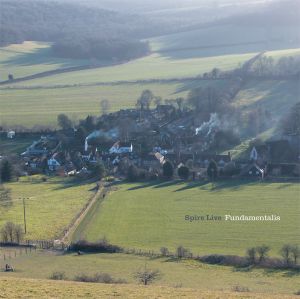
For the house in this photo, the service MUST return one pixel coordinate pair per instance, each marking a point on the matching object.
(53, 164)
(252, 170)
(153, 161)
(121, 148)
(11, 134)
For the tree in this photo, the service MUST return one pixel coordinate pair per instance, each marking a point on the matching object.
(285, 252)
(183, 172)
(168, 170)
(147, 276)
(262, 252)
(132, 173)
(18, 233)
(290, 124)
(251, 255)
(181, 252)
(144, 101)
(98, 170)
(179, 102)
(212, 170)
(64, 122)
(6, 171)
(105, 106)
(295, 251)
(10, 77)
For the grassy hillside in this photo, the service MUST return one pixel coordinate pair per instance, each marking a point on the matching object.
(187, 274)
(226, 39)
(154, 66)
(30, 58)
(152, 216)
(50, 206)
(61, 289)
(41, 106)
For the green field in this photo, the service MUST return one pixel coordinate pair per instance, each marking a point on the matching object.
(185, 273)
(14, 146)
(31, 58)
(50, 206)
(152, 216)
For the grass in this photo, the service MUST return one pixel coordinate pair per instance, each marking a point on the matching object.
(29, 288)
(50, 206)
(275, 96)
(31, 107)
(149, 216)
(14, 146)
(154, 66)
(30, 58)
(188, 274)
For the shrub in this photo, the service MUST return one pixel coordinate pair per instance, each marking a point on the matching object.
(58, 275)
(98, 278)
(183, 172)
(102, 246)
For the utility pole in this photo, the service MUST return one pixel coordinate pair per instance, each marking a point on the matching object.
(24, 213)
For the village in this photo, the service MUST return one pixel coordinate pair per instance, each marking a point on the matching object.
(148, 138)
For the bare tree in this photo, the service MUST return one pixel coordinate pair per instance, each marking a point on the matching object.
(18, 233)
(147, 276)
(295, 252)
(262, 252)
(105, 106)
(285, 252)
(251, 255)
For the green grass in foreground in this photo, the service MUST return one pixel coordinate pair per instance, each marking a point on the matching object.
(191, 274)
(151, 216)
(50, 208)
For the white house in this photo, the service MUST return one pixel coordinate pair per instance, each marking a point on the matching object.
(53, 164)
(11, 134)
(121, 148)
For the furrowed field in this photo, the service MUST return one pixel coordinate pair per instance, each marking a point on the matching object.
(50, 206)
(152, 216)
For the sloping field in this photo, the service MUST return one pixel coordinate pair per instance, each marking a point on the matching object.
(50, 205)
(225, 39)
(275, 96)
(29, 288)
(184, 273)
(153, 215)
(154, 66)
(30, 58)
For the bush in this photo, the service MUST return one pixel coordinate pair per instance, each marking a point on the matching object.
(98, 278)
(58, 276)
(101, 246)
(183, 172)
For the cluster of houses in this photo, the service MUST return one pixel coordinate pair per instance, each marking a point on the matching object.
(149, 138)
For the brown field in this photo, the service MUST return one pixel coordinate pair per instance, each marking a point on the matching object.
(33, 288)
